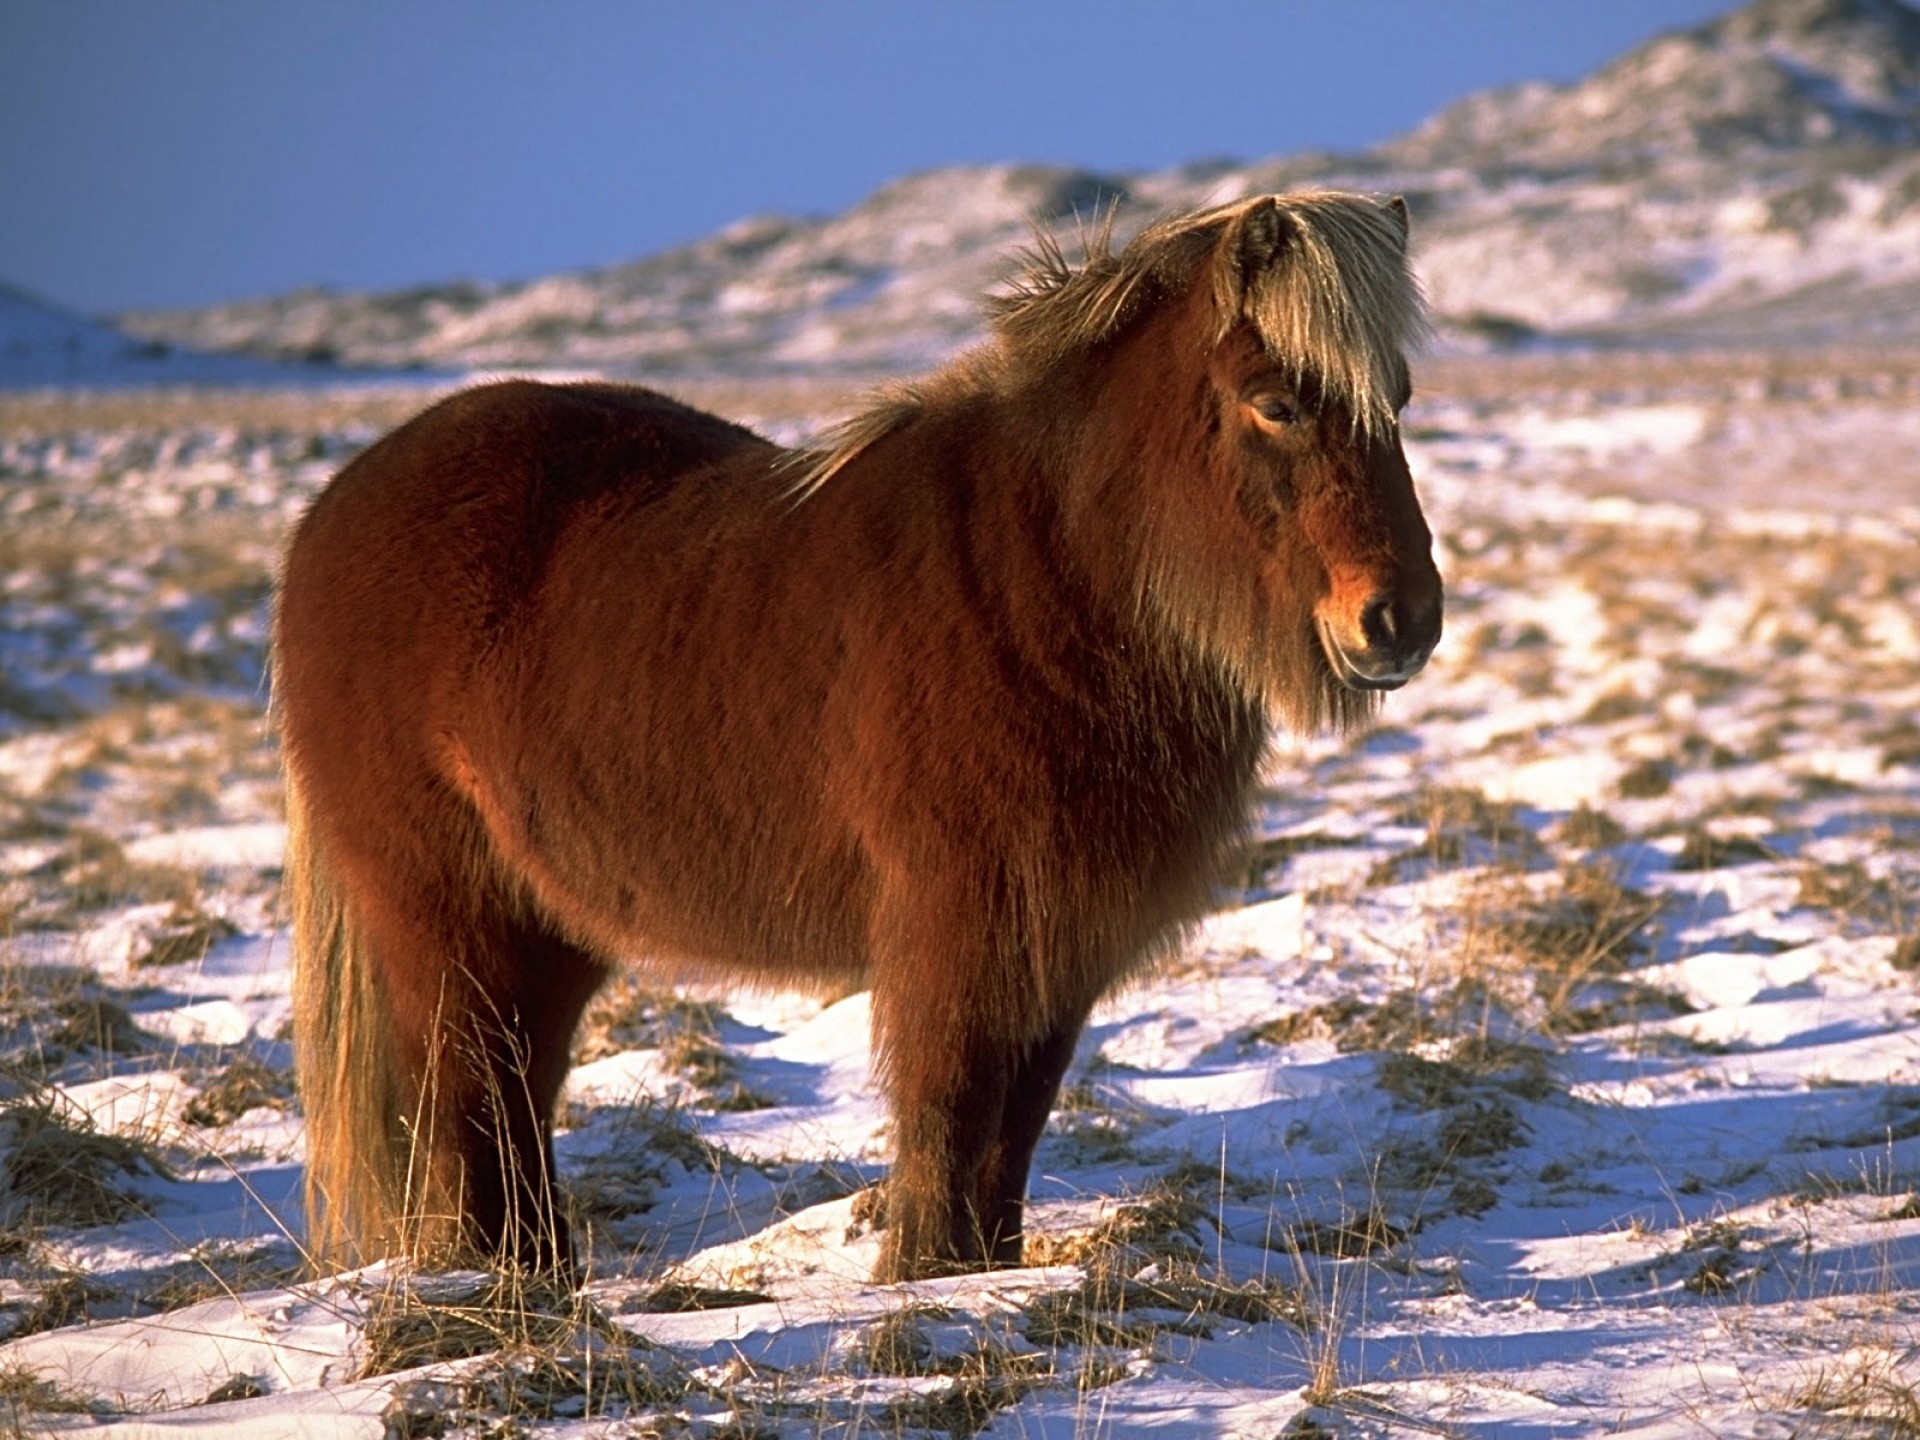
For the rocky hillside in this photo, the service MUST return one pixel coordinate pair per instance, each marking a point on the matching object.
(1753, 181)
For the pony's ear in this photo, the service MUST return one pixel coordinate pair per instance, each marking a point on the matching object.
(1396, 206)
(1252, 241)
(1264, 231)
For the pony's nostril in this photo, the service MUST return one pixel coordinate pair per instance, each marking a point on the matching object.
(1380, 623)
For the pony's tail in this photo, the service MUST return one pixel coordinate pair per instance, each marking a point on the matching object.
(356, 1178)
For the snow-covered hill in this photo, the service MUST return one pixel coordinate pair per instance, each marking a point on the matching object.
(1753, 181)
(42, 346)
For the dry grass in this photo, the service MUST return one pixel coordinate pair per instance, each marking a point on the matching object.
(680, 1297)
(550, 1355)
(217, 1268)
(1178, 1298)
(1144, 1275)
(1647, 779)
(95, 872)
(628, 1015)
(1534, 957)
(1702, 849)
(1161, 1223)
(94, 1023)
(30, 1000)
(1866, 1396)
(245, 1083)
(1266, 858)
(70, 820)
(980, 1377)
(57, 1169)
(1463, 828)
(1444, 1166)
(1474, 1066)
(424, 1318)
(61, 413)
(621, 1178)
(1472, 1040)
(1528, 376)
(905, 1344)
(1356, 1235)
(1559, 953)
(61, 1298)
(1588, 829)
(186, 937)
(1398, 1022)
(1881, 902)
(370, 408)
(24, 1397)
(548, 1358)
(1094, 1124)
(1547, 954)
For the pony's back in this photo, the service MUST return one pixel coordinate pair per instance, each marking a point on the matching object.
(402, 588)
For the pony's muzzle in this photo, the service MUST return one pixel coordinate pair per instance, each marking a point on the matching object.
(1382, 642)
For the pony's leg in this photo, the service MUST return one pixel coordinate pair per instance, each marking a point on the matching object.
(481, 1012)
(1001, 1189)
(946, 1089)
(555, 982)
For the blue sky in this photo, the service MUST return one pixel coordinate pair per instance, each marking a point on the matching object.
(178, 152)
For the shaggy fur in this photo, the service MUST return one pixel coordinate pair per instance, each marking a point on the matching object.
(569, 679)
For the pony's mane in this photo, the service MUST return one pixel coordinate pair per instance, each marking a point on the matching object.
(1333, 301)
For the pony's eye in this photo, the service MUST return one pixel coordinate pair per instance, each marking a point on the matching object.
(1276, 409)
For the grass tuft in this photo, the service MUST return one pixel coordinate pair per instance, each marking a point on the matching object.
(1880, 902)
(56, 1168)
(420, 1320)
(185, 938)
(546, 1354)
(588, 1377)
(1868, 1396)
(1906, 952)
(247, 1083)
(94, 1023)
(1144, 1277)
(1566, 948)
(1588, 829)
(67, 1297)
(629, 1015)
(1701, 849)
(25, 1395)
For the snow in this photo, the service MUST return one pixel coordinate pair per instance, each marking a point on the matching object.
(215, 847)
(1657, 429)
(1662, 1187)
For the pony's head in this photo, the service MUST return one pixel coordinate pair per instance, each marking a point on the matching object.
(1239, 437)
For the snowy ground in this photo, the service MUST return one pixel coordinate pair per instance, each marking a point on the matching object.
(1553, 1071)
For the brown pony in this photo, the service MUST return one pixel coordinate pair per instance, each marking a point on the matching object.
(966, 705)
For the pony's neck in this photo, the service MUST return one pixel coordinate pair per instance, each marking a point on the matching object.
(1126, 448)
